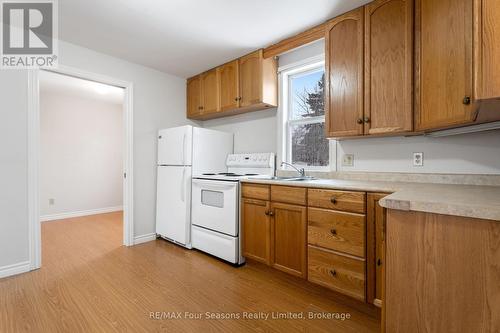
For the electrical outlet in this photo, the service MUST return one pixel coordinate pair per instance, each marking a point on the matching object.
(348, 160)
(52, 201)
(418, 159)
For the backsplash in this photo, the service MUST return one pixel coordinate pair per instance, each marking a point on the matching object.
(456, 179)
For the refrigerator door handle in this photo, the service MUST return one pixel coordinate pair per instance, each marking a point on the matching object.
(183, 186)
(184, 149)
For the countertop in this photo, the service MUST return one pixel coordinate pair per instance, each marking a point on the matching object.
(475, 201)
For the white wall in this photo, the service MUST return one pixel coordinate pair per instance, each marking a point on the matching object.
(81, 153)
(477, 153)
(254, 132)
(159, 101)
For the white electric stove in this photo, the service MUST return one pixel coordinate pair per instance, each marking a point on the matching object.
(215, 215)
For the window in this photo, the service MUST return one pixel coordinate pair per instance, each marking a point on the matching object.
(303, 114)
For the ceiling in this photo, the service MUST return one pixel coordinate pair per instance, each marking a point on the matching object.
(67, 85)
(186, 37)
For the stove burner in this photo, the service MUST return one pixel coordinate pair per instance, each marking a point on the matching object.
(226, 173)
(251, 174)
(209, 174)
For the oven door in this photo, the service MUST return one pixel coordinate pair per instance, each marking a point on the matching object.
(215, 205)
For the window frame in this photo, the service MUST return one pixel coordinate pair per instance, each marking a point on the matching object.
(286, 73)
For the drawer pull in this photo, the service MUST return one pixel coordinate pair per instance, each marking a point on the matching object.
(333, 273)
(379, 262)
(333, 232)
(333, 200)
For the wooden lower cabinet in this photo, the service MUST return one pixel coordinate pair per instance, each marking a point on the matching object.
(375, 253)
(442, 273)
(338, 231)
(317, 234)
(289, 238)
(256, 233)
(344, 274)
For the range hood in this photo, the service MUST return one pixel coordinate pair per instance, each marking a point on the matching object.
(486, 118)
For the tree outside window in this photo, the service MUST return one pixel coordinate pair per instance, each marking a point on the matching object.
(305, 120)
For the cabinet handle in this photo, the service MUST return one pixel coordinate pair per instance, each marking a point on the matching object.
(236, 99)
(379, 262)
(267, 212)
(466, 100)
(333, 273)
(271, 213)
(239, 98)
(333, 200)
(367, 120)
(333, 232)
(360, 121)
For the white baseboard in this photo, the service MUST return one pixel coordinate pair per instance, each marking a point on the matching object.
(144, 238)
(9, 270)
(68, 215)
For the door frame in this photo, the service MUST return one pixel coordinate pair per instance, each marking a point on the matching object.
(34, 230)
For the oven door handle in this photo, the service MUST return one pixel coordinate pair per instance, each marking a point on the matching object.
(211, 184)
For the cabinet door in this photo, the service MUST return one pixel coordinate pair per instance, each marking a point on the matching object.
(229, 86)
(388, 66)
(256, 230)
(210, 91)
(375, 234)
(344, 73)
(487, 49)
(289, 238)
(443, 31)
(250, 70)
(193, 97)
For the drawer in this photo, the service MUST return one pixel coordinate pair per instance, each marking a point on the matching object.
(339, 231)
(288, 194)
(342, 274)
(338, 200)
(255, 191)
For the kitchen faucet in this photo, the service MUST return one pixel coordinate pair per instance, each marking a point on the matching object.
(301, 171)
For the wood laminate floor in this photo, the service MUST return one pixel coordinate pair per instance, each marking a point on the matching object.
(90, 283)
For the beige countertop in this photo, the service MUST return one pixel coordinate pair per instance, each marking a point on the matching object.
(459, 200)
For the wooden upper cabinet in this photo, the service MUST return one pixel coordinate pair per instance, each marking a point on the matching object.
(487, 49)
(229, 85)
(194, 97)
(250, 79)
(443, 31)
(258, 80)
(289, 238)
(210, 92)
(344, 75)
(388, 66)
(246, 84)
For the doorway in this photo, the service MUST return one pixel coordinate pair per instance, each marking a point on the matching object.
(45, 174)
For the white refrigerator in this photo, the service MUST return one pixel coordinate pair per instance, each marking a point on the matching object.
(182, 152)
